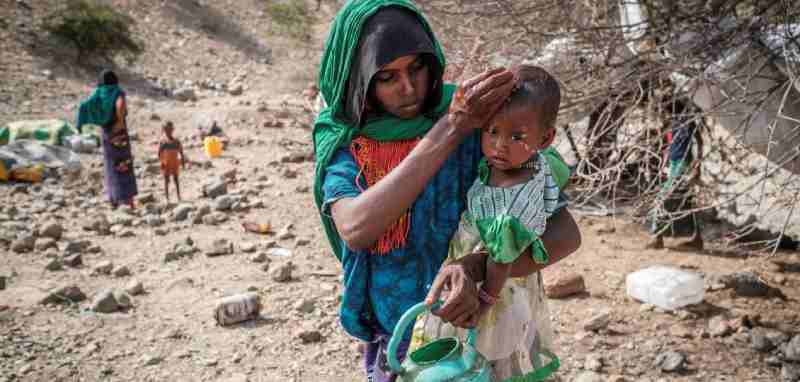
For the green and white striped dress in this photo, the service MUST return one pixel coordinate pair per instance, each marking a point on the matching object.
(515, 334)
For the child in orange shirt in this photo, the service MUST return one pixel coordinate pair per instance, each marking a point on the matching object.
(168, 150)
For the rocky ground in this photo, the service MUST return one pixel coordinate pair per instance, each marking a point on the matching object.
(87, 293)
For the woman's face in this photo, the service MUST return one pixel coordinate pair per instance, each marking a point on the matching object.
(401, 86)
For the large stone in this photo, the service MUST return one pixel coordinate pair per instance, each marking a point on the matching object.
(671, 361)
(64, 295)
(52, 230)
(791, 350)
(598, 321)
(105, 302)
(215, 189)
(565, 285)
(220, 247)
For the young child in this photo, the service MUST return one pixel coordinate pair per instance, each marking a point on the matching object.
(168, 150)
(507, 210)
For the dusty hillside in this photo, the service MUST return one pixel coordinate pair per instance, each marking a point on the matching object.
(180, 253)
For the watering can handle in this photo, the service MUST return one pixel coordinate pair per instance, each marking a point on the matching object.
(399, 330)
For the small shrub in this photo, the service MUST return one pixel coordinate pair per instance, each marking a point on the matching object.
(94, 29)
(291, 17)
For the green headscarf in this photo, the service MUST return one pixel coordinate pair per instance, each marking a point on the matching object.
(331, 131)
(99, 108)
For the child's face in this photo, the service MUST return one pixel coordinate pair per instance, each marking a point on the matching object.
(513, 136)
(168, 130)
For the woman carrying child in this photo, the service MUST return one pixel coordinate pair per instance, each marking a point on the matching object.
(393, 168)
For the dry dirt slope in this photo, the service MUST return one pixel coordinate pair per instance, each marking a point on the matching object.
(169, 333)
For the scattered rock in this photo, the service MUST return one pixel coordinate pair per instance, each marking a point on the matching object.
(105, 302)
(171, 256)
(63, 295)
(792, 349)
(154, 221)
(220, 247)
(54, 265)
(52, 230)
(588, 376)
(790, 372)
(308, 336)
(121, 271)
(248, 247)
(593, 363)
(103, 268)
(123, 299)
(598, 321)
(185, 94)
(181, 212)
(223, 203)
(24, 244)
(215, 189)
(565, 286)
(151, 360)
(77, 246)
(285, 234)
(235, 89)
(289, 173)
(147, 198)
(134, 287)
(45, 243)
(259, 258)
(671, 361)
(73, 261)
(764, 340)
(283, 272)
(305, 306)
(746, 284)
(719, 327)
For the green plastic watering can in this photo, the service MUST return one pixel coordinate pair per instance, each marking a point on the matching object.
(448, 358)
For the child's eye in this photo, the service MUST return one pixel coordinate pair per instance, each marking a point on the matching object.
(417, 66)
(384, 76)
(517, 137)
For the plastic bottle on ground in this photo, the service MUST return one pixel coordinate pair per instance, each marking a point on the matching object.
(666, 287)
